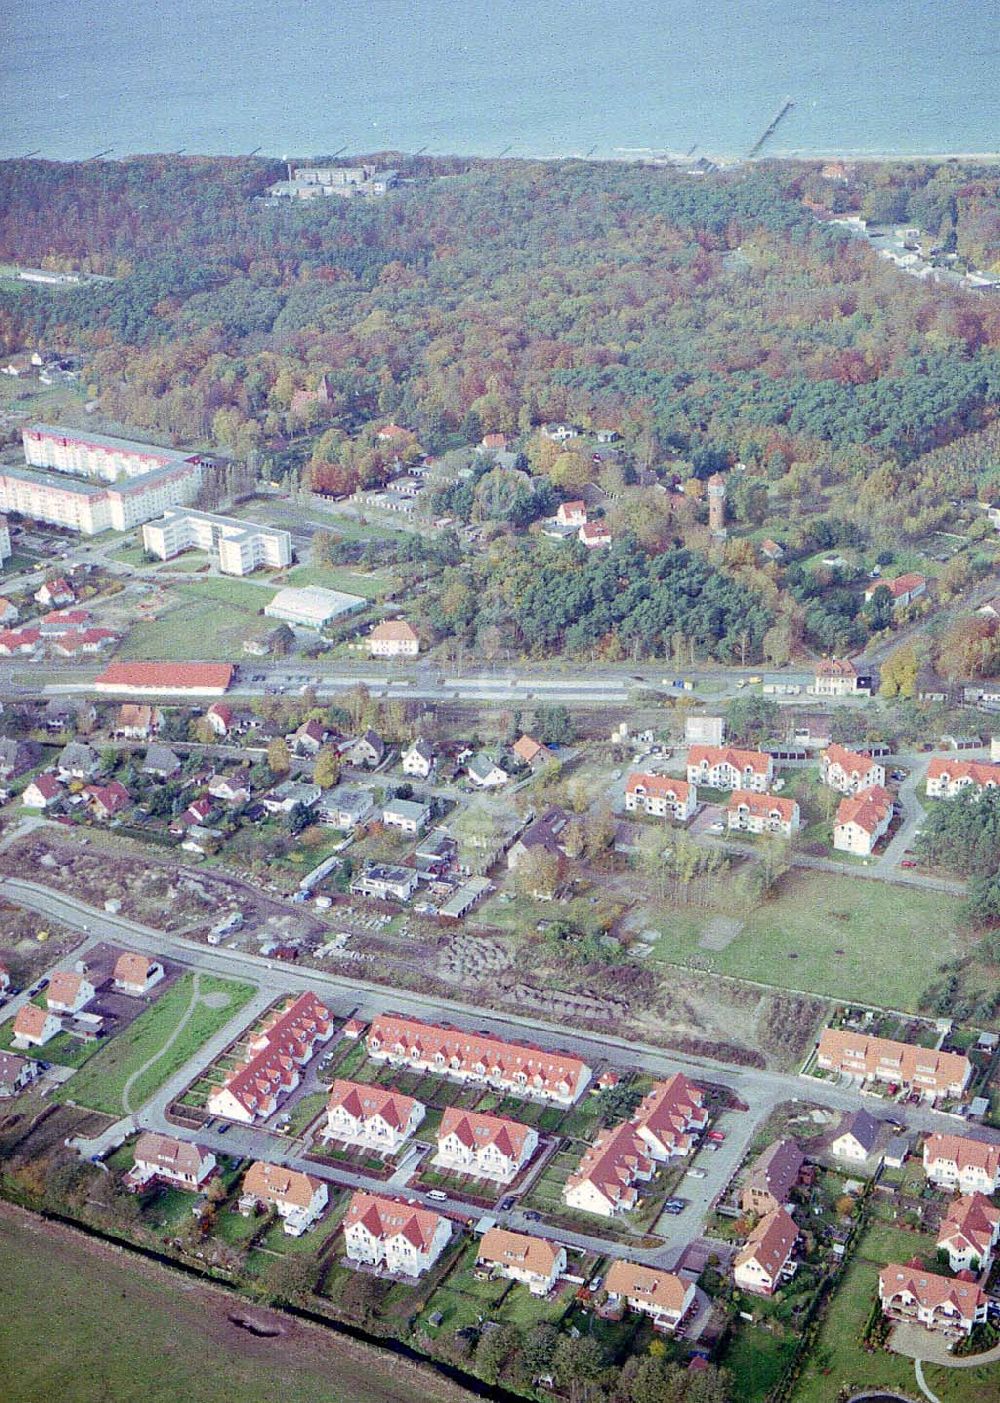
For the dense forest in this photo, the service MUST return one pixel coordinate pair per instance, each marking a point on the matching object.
(708, 321)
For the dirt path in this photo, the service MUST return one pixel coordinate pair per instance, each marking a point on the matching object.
(188, 1012)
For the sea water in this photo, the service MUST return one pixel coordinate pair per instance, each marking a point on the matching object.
(540, 77)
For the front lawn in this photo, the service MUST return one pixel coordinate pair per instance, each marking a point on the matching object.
(102, 1083)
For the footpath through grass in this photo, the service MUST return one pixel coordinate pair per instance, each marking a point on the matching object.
(81, 1323)
(101, 1082)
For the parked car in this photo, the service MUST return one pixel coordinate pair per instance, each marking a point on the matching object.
(696, 1173)
(717, 1135)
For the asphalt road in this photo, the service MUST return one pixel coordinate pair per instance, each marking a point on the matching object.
(761, 1090)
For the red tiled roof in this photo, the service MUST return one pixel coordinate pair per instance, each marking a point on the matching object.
(963, 1152)
(515, 1249)
(477, 1130)
(930, 1290)
(193, 676)
(650, 1285)
(47, 785)
(395, 631)
(30, 1020)
(64, 987)
(275, 1183)
(385, 1218)
(848, 760)
(133, 968)
(289, 1037)
(547, 1070)
(860, 1053)
(363, 1102)
(762, 805)
(836, 667)
(868, 809)
(713, 755)
(973, 1218)
(981, 772)
(659, 786)
(770, 1243)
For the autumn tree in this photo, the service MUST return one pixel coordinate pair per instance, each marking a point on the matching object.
(326, 770)
(279, 757)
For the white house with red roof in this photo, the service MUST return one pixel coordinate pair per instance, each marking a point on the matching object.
(762, 813)
(298, 1198)
(950, 1307)
(660, 796)
(663, 1296)
(947, 776)
(726, 767)
(55, 594)
(488, 1147)
(393, 638)
(166, 679)
(287, 1041)
(220, 717)
(35, 1026)
(519, 1068)
(136, 974)
(533, 1261)
(959, 1162)
(68, 991)
(848, 771)
(572, 514)
(836, 677)
(670, 1116)
(594, 535)
(862, 819)
(766, 1254)
(969, 1233)
(43, 792)
(904, 589)
(372, 1116)
(19, 642)
(407, 1239)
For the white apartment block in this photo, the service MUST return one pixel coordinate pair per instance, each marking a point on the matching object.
(90, 508)
(241, 546)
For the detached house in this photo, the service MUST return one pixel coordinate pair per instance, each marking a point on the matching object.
(759, 1264)
(230, 789)
(408, 815)
(17, 756)
(956, 1162)
(298, 1198)
(68, 992)
(660, 796)
(969, 1233)
(857, 1137)
(55, 594)
(594, 535)
(34, 1026)
(487, 1147)
(836, 677)
(418, 761)
(43, 792)
(78, 761)
(770, 1182)
(367, 751)
(848, 771)
(394, 638)
(485, 773)
(408, 1240)
(762, 813)
(164, 1160)
(161, 761)
(136, 974)
(345, 808)
(665, 1298)
(950, 1308)
(862, 819)
(724, 767)
(370, 1116)
(135, 722)
(532, 752)
(107, 800)
(572, 514)
(16, 1073)
(220, 717)
(904, 589)
(533, 1261)
(309, 738)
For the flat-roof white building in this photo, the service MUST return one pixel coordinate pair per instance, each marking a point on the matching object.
(312, 607)
(241, 546)
(91, 483)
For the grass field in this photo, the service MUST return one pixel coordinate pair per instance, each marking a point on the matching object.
(205, 629)
(117, 1329)
(839, 1358)
(891, 939)
(369, 586)
(101, 1084)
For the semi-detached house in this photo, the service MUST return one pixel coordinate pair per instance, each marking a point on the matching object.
(951, 1308)
(487, 1147)
(969, 1233)
(958, 1162)
(371, 1116)
(947, 776)
(407, 1239)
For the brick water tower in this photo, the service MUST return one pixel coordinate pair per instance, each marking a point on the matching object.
(716, 486)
